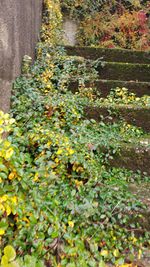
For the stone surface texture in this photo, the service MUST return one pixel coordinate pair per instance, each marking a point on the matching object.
(70, 30)
(19, 29)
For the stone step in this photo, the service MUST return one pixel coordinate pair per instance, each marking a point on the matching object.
(142, 192)
(104, 86)
(110, 55)
(132, 114)
(124, 71)
(135, 157)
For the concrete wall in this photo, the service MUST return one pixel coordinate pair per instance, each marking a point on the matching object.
(70, 30)
(19, 28)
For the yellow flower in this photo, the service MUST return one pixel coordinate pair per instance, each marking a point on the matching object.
(139, 254)
(56, 160)
(134, 240)
(11, 176)
(36, 177)
(71, 151)
(104, 252)
(116, 252)
(7, 143)
(8, 209)
(25, 219)
(1, 121)
(2, 208)
(59, 151)
(3, 198)
(71, 224)
(14, 199)
(2, 232)
(79, 169)
(78, 183)
(9, 153)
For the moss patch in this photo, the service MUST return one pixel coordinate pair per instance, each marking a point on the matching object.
(124, 71)
(104, 86)
(138, 116)
(133, 157)
(118, 55)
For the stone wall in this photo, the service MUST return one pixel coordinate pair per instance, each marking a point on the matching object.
(70, 30)
(19, 29)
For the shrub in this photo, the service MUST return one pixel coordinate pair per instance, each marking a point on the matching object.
(121, 28)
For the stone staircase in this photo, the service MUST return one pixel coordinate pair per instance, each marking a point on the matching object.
(121, 68)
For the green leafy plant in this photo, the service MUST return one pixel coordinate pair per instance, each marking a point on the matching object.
(111, 24)
(59, 201)
(122, 29)
(8, 259)
(123, 96)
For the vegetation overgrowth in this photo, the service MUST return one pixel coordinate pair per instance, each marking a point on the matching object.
(112, 24)
(59, 203)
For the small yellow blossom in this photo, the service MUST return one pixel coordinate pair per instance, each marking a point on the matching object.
(116, 252)
(139, 254)
(71, 224)
(104, 252)
(7, 209)
(7, 143)
(78, 183)
(2, 208)
(36, 177)
(3, 198)
(9, 153)
(14, 199)
(49, 143)
(2, 232)
(25, 219)
(71, 151)
(134, 240)
(11, 176)
(59, 152)
(56, 160)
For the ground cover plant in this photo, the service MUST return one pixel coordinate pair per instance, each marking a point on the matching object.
(59, 203)
(121, 96)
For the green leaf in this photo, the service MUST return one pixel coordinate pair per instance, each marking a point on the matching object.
(73, 192)
(3, 225)
(120, 261)
(3, 168)
(4, 261)
(40, 264)
(102, 264)
(3, 175)
(116, 253)
(10, 253)
(54, 234)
